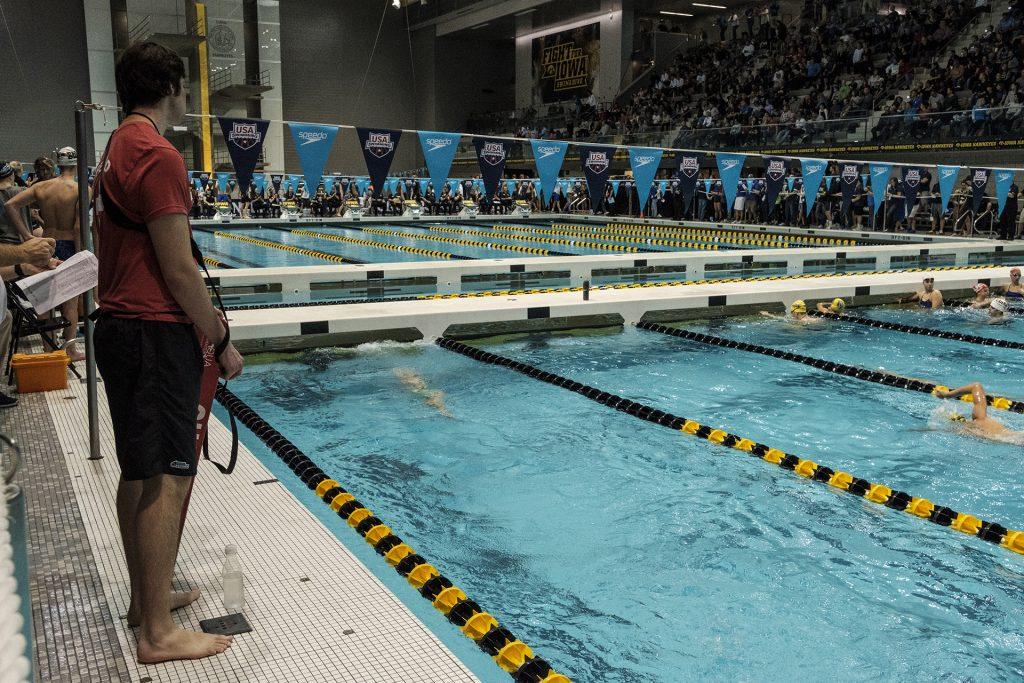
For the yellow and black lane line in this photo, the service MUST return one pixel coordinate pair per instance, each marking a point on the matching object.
(645, 233)
(866, 374)
(805, 239)
(379, 245)
(522, 232)
(925, 331)
(269, 244)
(511, 654)
(468, 243)
(215, 263)
(601, 246)
(992, 532)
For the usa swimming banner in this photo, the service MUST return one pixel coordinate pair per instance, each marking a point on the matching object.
(438, 151)
(979, 180)
(491, 154)
(879, 181)
(1003, 181)
(244, 138)
(730, 166)
(687, 170)
(597, 163)
(911, 184)
(378, 145)
(548, 156)
(947, 180)
(849, 174)
(774, 177)
(813, 171)
(313, 143)
(644, 163)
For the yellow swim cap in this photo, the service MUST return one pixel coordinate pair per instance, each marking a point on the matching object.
(838, 305)
(957, 417)
(798, 306)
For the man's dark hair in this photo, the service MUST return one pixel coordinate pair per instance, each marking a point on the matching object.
(146, 73)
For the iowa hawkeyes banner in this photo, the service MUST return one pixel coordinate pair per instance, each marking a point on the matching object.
(596, 162)
(911, 184)
(313, 144)
(687, 170)
(644, 163)
(979, 180)
(565, 64)
(491, 154)
(849, 174)
(774, 177)
(378, 145)
(244, 138)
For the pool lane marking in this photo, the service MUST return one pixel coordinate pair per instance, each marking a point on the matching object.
(806, 239)
(465, 242)
(865, 374)
(269, 244)
(507, 651)
(600, 246)
(925, 331)
(664, 238)
(215, 263)
(379, 245)
(1011, 539)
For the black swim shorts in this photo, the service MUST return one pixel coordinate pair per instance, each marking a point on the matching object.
(151, 373)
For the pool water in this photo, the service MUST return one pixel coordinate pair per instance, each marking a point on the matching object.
(624, 551)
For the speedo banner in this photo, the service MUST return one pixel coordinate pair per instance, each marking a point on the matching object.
(644, 162)
(438, 151)
(1004, 179)
(244, 138)
(491, 154)
(313, 143)
(849, 174)
(378, 145)
(979, 181)
(911, 185)
(774, 177)
(947, 181)
(730, 167)
(597, 164)
(548, 156)
(813, 171)
(879, 181)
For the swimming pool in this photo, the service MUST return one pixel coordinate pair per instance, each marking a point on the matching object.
(624, 551)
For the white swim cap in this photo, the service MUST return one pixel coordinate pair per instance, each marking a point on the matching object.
(67, 156)
(1000, 305)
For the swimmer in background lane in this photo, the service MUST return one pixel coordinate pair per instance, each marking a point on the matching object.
(414, 382)
(837, 307)
(981, 425)
(929, 297)
(982, 297)
(1014, 292)
(797, 314)
(997, 312)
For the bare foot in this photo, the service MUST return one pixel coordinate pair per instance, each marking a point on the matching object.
(178, 600)
(182, 644)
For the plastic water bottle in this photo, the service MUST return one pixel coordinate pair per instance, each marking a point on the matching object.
(234, 581)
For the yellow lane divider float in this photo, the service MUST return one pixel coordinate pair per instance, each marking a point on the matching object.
(215, 263)
(601, 246)
(508, 652)
(379, 245)
(627, 234)
(618, 236)
(269, 244)
(803, 239)
(456, 240)
(1011, 539)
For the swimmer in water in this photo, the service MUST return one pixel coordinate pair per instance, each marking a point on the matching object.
(413, 381)
(929, 297)
(797, 314)
(982, 296)
(1014, 292)
(997, 311)
(980, 425)
(837, 307)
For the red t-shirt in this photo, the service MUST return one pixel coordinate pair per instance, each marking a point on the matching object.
(145, 176)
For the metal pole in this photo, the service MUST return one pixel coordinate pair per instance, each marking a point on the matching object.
(83, 220)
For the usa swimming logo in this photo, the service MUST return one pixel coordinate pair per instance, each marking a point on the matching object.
(776, 169)
(850, 174)
(597, 162)
(980, 178)
(308, 137)
(493, 153)
(912, 178)
(379, 144)
(244, 135)
(689, 167)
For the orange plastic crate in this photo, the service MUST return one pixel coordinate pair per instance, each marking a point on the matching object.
(41, 371)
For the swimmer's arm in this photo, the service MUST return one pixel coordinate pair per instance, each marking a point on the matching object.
(937, 299)
(13, 208)
(913, 297)
(977, 391)
(772, 315)
(822, 308)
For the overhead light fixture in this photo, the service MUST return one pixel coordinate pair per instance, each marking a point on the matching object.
(701, 4)
(676, 14)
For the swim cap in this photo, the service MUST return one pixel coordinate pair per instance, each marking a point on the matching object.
(1000, 305)
(67, 156)
(957, 417)
(5, 170)
(1014, 271)
(798, 306)
(838, 305)
(980, 287)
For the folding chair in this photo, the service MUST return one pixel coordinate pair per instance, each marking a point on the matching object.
(26, 323)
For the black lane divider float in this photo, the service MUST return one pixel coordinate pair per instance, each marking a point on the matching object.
(325, 302)
(215, 263)
(510, 653)
(866, 374)
(927, 332)
(1011, 539)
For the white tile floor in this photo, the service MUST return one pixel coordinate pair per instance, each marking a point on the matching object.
(317, 611)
